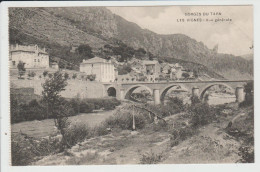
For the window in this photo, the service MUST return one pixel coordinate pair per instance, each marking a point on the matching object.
(34, 60)
(13, 63)
(38, 60)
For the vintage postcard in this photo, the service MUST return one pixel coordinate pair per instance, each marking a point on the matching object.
(131, 85)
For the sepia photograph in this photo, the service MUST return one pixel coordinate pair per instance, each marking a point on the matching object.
(124, 85)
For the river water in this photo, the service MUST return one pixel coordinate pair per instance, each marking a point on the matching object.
(46, 127)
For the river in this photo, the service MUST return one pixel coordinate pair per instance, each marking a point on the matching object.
(46, 127)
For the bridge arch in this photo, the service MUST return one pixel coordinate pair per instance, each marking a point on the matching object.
(203, 91)
(130, 90)
(111, 91)
(167, 88)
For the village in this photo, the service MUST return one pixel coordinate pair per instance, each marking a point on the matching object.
(87, 82)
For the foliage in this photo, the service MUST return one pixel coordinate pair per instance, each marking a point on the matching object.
(124, 69)
(195, 100)
(151, 158)
(124, 120)
(85, 51)
(91, 77)
(66, 75)
(31, 74)
(180, 134)
(201, 114)
(249, 97)
(45, 73)
(55, 104)
(185, 75)
(76, 133)
(21, 69)
(247, 154)
(74, 76)
(86, 107)
(26, 112)
(50, 75)
(26, 150)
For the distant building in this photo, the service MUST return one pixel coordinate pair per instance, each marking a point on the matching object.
(102, 68)
(152, 69)
(32, 56)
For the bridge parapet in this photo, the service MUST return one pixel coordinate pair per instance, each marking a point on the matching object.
(196, 88)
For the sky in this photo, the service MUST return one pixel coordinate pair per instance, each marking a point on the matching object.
(232, 37)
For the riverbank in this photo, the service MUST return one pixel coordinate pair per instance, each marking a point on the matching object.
(46, 127)
(210, 144)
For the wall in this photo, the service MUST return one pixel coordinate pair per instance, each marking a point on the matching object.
(75, 88)
(31, 59)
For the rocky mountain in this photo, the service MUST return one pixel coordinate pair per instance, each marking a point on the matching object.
(97, 26)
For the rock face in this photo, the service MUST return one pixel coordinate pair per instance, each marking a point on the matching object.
(98, 26)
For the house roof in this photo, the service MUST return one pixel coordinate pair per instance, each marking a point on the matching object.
(29, 48)
(96, 60)
(148, 62)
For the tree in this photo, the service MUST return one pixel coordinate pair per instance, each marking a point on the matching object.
(74, 76)
(21, 69)
(56, 106)
(31, 74)
(85, 51)
(195, 73)
(66, 76)
(45, 73)
(185, 75)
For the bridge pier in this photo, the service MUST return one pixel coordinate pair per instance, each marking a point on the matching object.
(122, 94)
(195, 92)
(240, 97)
(156, 96)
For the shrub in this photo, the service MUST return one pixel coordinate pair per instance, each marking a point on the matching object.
(66, 76)
(91, 77)
(247, 154)
(26, 112)
(74, 76)
(201, 114)
(26, 150)
(86, 107)
(151, 158)
(180, 134)
(76, 134)
(195, 100)
(249, 97)
(124, 120)
(45, 73)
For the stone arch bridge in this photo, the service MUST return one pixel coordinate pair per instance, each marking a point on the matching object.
(159, 89)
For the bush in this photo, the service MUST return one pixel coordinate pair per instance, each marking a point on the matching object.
(151, 158)
(195, 100)
(76, 134)
(26, 150)
(181, 134)
(247, 154)
(86, 107)
(124, 120)
(201, 114)
(249, 97)
(27, 112)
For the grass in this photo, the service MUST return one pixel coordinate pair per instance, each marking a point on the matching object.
(150, 158)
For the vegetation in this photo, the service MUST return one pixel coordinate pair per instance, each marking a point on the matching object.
(151, 158)
(249, 97)
(37, 109)
(55, 104)
(91, 77)
(31, 74)
(21, 69)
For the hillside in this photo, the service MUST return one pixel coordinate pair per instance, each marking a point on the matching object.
(59, 28)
